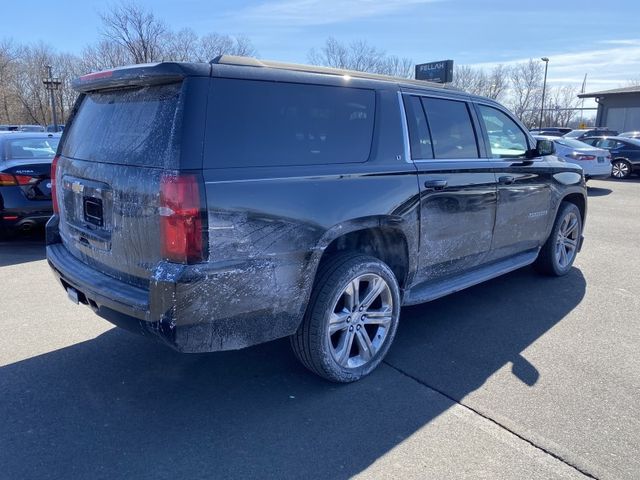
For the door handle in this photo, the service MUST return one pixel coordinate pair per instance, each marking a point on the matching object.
(435, 184)
(506, 180)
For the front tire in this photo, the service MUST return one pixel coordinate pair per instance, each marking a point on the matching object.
(559, 251)
(351, 319)
(620, 169)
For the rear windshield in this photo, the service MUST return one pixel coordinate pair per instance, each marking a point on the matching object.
(32, 148)
(137, 126)
(571, 143)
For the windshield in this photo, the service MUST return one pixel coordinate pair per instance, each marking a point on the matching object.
(571, 143)
(32, 148)
(574, 133)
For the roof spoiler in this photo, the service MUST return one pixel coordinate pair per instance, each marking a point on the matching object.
(139, 75)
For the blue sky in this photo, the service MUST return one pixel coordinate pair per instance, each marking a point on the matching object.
(577, 36)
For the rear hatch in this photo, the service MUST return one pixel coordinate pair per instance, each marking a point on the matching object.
(124, 136)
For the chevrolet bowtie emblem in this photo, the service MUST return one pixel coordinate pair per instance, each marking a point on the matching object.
(77, 187)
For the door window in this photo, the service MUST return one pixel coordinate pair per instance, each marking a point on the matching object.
(419, 137)
(506, 139)
(451, 128)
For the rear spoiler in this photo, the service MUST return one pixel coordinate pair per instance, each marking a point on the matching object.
(140, 75)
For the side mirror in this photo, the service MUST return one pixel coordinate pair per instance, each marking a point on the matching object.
(543, 147)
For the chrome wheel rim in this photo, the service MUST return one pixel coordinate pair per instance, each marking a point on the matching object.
(567, 240)
(360, 320)
(620, 170)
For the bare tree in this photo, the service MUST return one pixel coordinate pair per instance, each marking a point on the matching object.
(136, 30)
(213, 45)
(526, 91)
(561, 106)
(498, 82)
(359, 56)
(8, 66)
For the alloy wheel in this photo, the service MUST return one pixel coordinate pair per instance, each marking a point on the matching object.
(567, 240)
(620, 170)
(360, 320)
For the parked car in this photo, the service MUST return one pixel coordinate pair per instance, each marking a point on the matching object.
(581, 133)
(25, 182)
(551, 131)
(635, 134)
(595, 162)
(625, 154)
(52, 128)
(31, 128)
(241, 201)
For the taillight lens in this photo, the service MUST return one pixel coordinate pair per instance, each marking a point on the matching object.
(7, 180)
(54, 197)
(578, 156)
(181, 225)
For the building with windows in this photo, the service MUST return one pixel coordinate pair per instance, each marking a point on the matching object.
(618, 109)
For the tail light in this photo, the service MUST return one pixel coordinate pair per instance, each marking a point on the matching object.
(578, 156)
(54, 196)
(9, 180)
(181, 224)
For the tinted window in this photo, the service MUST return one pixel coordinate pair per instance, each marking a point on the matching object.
(254, 123)
(32, 148)
(451, 128)
(135, 126)
(571, 143)
(506, 140)
(419, 137)
(590, 141)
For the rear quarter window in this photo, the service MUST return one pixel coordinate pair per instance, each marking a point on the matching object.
(260, 123)
(25, 148)
(138, 126)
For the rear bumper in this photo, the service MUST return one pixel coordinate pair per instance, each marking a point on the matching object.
(16, 211)
(197, 308)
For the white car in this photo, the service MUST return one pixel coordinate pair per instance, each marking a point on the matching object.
(595, 162)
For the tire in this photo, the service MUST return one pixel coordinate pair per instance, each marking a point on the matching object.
(332, 338)
(559, 251)
(620, 169)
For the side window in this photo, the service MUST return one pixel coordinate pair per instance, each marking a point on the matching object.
(506, 139)
(261, 123)
(452, 132)
(419, 137)
(621, 145)
(605, 143)
(590, 141)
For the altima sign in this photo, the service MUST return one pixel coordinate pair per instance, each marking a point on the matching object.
(441, 72)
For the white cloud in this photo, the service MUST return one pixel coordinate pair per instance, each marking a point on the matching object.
(322, 12)
(606, 67)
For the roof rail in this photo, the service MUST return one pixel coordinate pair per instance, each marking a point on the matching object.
(298, 67)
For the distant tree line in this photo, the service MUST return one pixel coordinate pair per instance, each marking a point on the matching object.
(131, 34)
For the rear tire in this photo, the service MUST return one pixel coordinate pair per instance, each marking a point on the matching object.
(620, 169)
(351, 319)
(559, 251)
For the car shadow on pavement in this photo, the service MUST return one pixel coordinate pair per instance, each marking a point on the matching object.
(22, 248)
(598, 192)
(120, 406)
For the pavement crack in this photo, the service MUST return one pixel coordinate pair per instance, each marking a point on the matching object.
(495, 422)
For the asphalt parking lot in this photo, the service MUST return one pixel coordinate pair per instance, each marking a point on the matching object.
(521, 377)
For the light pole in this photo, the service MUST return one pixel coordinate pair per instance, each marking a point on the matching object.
(544, 88)
(52, 84)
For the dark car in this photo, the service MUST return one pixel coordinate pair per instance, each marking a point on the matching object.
(625, 154)
(551, 131)
(634, 134)
(581, 133)
(217, 206)
(25, 182)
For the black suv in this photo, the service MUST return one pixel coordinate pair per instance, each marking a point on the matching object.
(217, 206)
